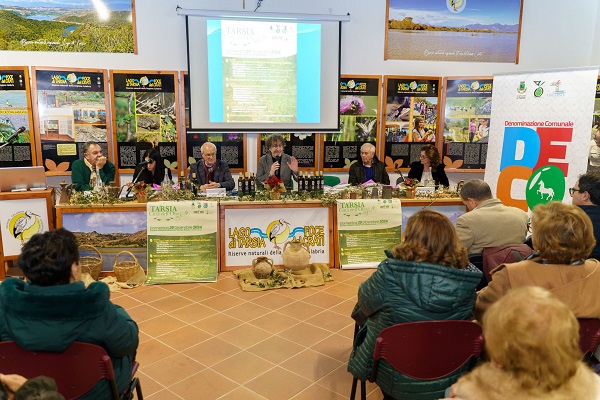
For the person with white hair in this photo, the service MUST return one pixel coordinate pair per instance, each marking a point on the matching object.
(369, 168)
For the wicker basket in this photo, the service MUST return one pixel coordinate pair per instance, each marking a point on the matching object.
(91, 264)
(125, 269)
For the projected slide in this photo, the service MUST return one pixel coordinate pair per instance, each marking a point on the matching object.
(263, 72)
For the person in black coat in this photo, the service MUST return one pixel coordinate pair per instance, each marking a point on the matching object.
(368, 168)
(430, 157)
(154, 171)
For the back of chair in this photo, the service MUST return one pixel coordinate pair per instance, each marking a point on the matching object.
(331, 180)
(589, 335)
(76, 370)
(428, 350)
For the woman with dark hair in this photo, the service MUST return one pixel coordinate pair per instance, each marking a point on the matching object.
(427, 277)
(429, 158)
(154, 171)
(420, 133)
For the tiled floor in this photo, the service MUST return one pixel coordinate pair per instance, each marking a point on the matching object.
(214, 341)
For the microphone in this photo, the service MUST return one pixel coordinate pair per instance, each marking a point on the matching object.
(145, 162)
(277, 171)
(401, 179)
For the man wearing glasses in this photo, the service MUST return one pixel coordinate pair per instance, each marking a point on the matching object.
(586, 195)
(85, 170)
(210, 172)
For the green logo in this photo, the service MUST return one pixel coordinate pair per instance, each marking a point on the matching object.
(545, 184)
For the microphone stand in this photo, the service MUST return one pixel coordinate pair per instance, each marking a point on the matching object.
(134, 181)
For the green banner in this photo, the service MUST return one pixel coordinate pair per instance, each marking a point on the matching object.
(182, 242)
(365, 229)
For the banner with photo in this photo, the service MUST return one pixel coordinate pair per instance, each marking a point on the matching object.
(453, 30)
(411, 115)
(540, 129)
(15, 118)
(146, 114)
(264, 231)
(182, 242)
(466, 115)
(70, 108)
(365, 229)
(359, 121)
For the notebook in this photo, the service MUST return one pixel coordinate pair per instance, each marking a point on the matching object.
(22, 178)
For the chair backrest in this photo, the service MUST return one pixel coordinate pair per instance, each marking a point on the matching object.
(331, 180)
(76, 370)
(589, 335)
(428, 350)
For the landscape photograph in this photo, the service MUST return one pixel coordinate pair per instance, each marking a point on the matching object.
(453, 30)
(106, 26)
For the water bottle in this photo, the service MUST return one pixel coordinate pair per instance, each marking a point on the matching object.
(98, 185)
(166, 183)
(428, 178)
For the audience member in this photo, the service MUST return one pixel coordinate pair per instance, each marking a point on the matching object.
(368, 168)
(563, 238)
(17, 387)
(488, 223)
(54, 308)
(586, 195)
(210, 172)
(154, 171)
(594, 154)
(427, 277)
(532, 340)
(276, 163)
(429, 158)
(84, 170)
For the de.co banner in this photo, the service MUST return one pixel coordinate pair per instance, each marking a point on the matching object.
(539, 134)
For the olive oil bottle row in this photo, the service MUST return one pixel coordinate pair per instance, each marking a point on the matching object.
(246, 184)
(311, 182)
(188, 184)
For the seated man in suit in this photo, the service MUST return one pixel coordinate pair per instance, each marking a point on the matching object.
(84, 170)
(489, 223)
(586, 194)
(368, 168)
(210, 172)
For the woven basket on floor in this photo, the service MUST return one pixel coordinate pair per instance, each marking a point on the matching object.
(91, 264)
(125, 269)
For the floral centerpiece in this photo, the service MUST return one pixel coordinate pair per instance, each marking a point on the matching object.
(275, 186)
(141, 190)
(411, 186)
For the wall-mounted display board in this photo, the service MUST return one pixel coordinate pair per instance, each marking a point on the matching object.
(411, 116)
(359, 121)
(146, 115)
(70, 108)
(231, 148)
(466, 118)
(15, 116)
(303, 146)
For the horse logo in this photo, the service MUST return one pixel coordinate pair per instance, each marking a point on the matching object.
(542, 190)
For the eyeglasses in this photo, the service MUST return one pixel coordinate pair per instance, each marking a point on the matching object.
(423, 156)
(573, 190)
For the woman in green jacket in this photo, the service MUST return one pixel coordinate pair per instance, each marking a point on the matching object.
(55, 309)
(427, 277)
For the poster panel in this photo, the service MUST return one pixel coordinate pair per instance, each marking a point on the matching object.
(540, 128)
(110, 232)
(359, 121)
(453, 30)
(264, 231)
(71, 108)
(146, 114)
(303, 146)
(20, 220)
(182, 242)
(411, 117)
(594, 155)
(15, 118)
(466, 115)
(231, 148)
(365, 229)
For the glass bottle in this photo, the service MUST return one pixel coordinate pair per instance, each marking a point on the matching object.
(252, 185)
(241, 184)
(182, 181)
(192, 184)
(98, 185)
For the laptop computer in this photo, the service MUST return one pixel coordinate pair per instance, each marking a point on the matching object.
(22, 178)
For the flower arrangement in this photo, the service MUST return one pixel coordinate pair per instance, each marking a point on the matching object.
(274, 185)
(410, 183)
(141, 187)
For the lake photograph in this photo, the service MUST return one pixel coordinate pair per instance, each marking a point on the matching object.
(453, 30)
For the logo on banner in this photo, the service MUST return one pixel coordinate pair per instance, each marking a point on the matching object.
(72, 79)
(557, 92)
(143, 82)
(24, 224)
(527, 150)
(539, 91)
(456, 6)
(8, 78)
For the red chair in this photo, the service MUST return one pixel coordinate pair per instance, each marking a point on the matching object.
(426, 350)
(76, 370)
(589, 336)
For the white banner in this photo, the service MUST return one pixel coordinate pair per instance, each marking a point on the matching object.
(250, 233)
(365, 229)
(21, 219)
(539, 134)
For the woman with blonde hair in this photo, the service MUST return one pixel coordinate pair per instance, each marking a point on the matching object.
(532, 340)
(563, 238)
(427, 277)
